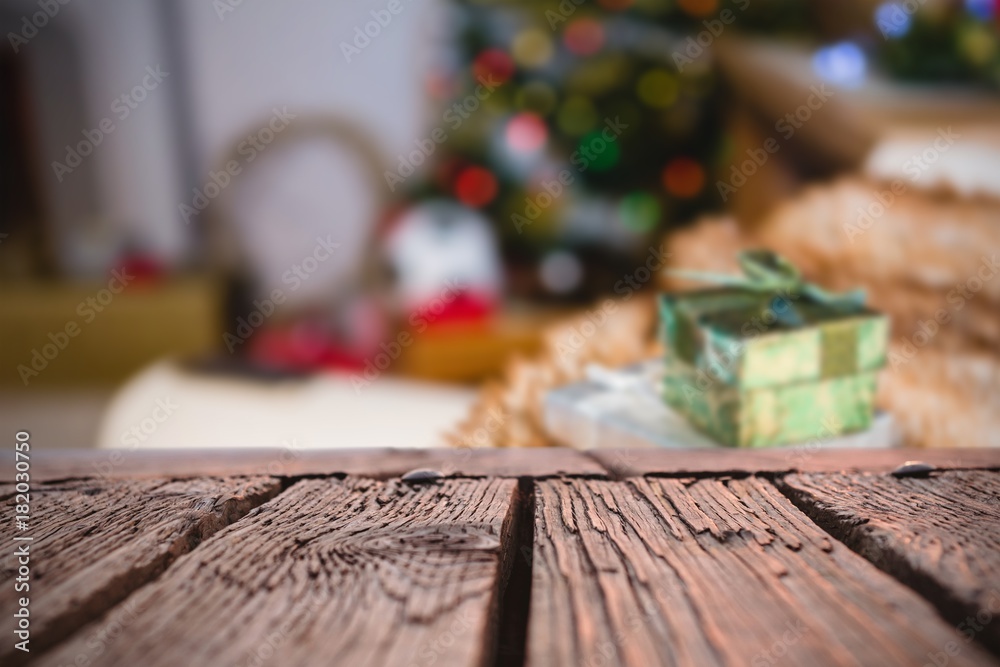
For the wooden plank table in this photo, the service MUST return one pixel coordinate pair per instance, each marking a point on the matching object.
(504, 557)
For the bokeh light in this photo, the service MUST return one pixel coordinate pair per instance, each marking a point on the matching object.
(577, 116)
(683, 177)
(536, 96)
(475, 186)
(599, 153)
(984, 10)
(493, 65)
(978, 44)
(560, 272)
(699, 8)
(639, 211)
(598, 75)
(526, 133)
(657, 88)
(843, 63)
(584, 37)
(892, 20)
(532, 47)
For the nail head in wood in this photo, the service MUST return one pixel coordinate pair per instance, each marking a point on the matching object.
(913, 469)
(422, 476)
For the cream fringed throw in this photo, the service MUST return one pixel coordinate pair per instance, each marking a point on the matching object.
(925, 259)
(931, 262)
(508, 414)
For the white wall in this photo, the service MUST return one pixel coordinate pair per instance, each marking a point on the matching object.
(258, 56)
(137, 168)
(266, 54)
(261, 55)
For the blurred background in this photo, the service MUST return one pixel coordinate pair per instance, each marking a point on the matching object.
(401, 222)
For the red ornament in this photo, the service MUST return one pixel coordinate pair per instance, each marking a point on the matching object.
(467, 307)
(493, 66)
(584, 37)
(683, 177)
(142, 269)
(475, 187)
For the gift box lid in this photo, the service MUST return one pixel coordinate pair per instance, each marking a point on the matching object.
(758, 333)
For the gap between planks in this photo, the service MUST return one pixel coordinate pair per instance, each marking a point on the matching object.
(939, 534)
(504, 619)
(509, 615)
(716, 570)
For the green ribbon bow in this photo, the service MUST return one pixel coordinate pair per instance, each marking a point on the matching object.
(767, 271)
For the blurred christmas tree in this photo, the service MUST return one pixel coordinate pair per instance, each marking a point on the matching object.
(948, 41)
(583, 130)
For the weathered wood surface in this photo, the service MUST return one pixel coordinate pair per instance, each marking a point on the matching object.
(622, 463)
(689, 566)
(48, 465)
(939, 534)
(353, 572)
(94, 542)
(712, 572)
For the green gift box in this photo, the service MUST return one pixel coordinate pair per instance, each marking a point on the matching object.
(769, 359)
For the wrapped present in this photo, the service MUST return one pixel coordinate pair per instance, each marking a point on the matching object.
(767, 358)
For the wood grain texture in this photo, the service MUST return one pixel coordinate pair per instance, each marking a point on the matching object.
(95, 542)
(939, 534)
(623, 463)
(51, 465)
(712, 572)
(353, 572)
